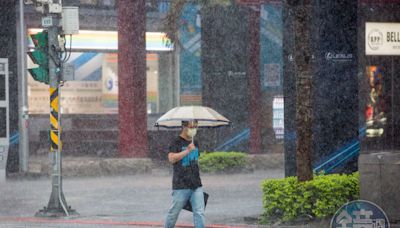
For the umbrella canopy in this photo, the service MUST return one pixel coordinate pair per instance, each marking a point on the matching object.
(205, 116)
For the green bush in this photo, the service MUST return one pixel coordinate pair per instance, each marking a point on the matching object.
(222, 161)
(287, 199)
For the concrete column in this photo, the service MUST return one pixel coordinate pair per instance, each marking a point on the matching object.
(254, 81)
(166, 82)
(132, 78)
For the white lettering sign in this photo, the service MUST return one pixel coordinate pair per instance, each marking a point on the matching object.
(382, 38)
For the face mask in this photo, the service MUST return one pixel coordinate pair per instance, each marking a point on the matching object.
(192, 132)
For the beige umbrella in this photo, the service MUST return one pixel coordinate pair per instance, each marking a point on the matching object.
(206, 117)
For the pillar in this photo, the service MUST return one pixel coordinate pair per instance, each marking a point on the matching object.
(132, 78)
(254, 81)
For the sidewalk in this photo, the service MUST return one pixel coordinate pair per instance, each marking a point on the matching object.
(140, 200)
(121, 192)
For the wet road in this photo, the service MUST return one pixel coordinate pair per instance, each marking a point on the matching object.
(138, 200)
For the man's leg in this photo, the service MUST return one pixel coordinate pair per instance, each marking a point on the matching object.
(197, 201)
(179, 199)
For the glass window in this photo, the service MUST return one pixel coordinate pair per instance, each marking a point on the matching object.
(278, 117)
(3, 122)
(2, 87)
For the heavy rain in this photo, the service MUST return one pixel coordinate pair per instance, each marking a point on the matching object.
(199, 113)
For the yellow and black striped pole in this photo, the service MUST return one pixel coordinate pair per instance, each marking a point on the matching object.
(55, 144)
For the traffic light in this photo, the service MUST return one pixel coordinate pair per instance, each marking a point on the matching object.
(40, 57)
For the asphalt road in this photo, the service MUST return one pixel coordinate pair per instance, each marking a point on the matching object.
(138, 200)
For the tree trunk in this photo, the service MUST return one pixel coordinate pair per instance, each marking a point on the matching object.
(304, 112)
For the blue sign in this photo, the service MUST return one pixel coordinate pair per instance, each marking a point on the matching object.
(360, 214)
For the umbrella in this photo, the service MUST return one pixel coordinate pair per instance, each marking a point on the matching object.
(205, 116)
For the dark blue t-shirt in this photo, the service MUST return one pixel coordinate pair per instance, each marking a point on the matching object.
(186, 171)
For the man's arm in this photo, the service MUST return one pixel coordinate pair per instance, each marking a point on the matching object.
(175, 157)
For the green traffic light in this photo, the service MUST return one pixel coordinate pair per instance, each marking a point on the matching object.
(40, 57)
(40, 75)
(40, 39)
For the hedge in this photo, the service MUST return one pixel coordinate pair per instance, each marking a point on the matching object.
(287, 199)
(222, 161)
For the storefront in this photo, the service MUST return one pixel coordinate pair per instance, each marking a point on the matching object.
(94, 89)
(379, 76)
(379, 104)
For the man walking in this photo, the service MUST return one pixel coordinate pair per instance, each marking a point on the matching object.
(186, 183)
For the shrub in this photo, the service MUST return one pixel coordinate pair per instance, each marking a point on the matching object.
(222, 161)
(288, 199)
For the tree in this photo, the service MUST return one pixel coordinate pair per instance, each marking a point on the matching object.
(303, 68)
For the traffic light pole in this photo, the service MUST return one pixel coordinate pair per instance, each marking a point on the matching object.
(57, 206)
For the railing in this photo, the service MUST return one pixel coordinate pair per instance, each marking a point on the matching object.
(14, 139)
(244, 135)
(326, 165)
(338, 158)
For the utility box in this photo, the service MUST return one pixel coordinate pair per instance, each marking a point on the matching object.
(379, 181)
(70, 20)
(4, 118)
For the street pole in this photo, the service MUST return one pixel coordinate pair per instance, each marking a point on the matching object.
(22, 95)
(57, 206)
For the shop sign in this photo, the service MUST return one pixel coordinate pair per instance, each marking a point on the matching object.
(382, 38)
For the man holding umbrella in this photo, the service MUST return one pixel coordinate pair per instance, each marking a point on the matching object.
(184, 154)
(186, 183)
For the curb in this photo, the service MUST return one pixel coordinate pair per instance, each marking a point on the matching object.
(40, 166)
(107, 222)
(89, 167)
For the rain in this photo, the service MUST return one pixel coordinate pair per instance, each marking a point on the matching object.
(117, 113)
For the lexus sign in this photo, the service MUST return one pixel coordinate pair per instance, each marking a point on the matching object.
(382, 38)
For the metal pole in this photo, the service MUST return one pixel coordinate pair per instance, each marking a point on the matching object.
(57, 206)
(22, 97)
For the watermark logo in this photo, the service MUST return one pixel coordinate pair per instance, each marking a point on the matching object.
(331, 56)
(360, 214)
(375, 39)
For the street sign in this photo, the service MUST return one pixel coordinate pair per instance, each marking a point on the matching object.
(47, 22)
